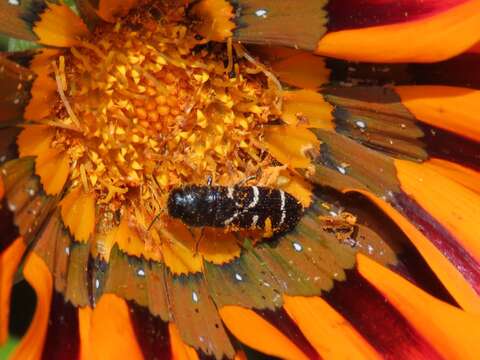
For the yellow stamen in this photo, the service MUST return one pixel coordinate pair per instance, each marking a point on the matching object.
(83, 176)
(144, 108)
(62, 94)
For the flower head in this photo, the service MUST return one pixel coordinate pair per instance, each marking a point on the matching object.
(372, 163)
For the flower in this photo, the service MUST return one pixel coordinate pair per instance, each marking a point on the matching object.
(135, 99)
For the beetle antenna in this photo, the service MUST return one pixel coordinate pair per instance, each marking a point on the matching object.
(244, 181)
(153, 221)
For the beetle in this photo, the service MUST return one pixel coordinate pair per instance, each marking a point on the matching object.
(235, 207)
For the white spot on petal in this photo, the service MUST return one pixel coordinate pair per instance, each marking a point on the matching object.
(238, 277)
(261, 13)
(297, 246)
(361, 124)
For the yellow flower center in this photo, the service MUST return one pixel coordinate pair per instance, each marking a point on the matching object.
(147, 105)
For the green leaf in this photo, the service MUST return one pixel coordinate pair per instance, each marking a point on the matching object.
(20, 45)
(8, 347)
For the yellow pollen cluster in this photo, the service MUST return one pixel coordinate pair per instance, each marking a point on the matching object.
(146, 106)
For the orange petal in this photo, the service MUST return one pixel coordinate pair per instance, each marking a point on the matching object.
(453, 332)
(214, 19)
(431, 39)
(259, 334)
(44, 88)
(34, 140)
(450, 108)
(460, 174)
(240, 356)
(218, 247)
(43, 59)
(78, 213)
(290, 144)
(178, 249)
(59, 26)
(110, 10)
(111, 334)
(53, 167)
(84, 324)
(127, 239)
(9, 261)
(180, 350)
(331, 335)
(451, 278)
(303, 70)
(299, 188)
(454, 206)
(38, 276)
(307, 107)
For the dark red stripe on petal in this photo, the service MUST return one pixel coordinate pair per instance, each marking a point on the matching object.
(441, 238)
(63, 338)
(364, 73)
(412, 266)
(22, 308)
(280, 319)
(151, 332)
(351, 14)
(377, 320)
(460, 71)
(452, 147)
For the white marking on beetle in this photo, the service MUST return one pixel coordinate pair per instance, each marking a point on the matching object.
(256, 197)
(254, 221)
(282, 207)
(230, 219)
(14, 2)
(230, 192)
(282, 219)
(194, 297)
(238, 277)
